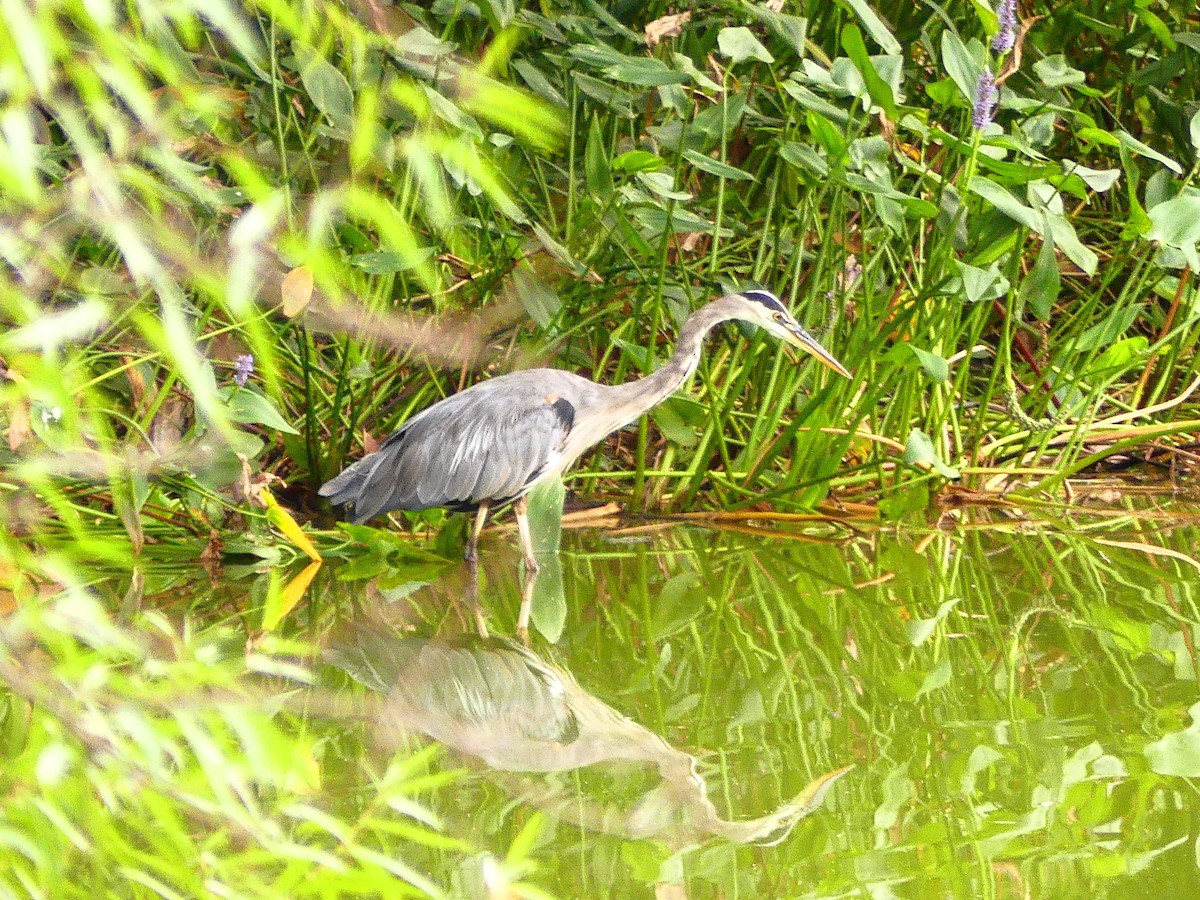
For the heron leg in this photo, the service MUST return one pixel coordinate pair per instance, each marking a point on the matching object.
(521, 508)
(473, 598)
(526, 607)
(471, 554)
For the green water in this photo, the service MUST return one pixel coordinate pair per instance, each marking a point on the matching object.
(1013, 698)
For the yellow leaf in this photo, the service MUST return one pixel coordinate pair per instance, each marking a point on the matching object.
(282, 519)
(276, 612)
(297, 290)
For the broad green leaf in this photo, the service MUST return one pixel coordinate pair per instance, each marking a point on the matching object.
(249, 407)
(1104, 333)
(919, 451)
(645, 72)
(382, 262)
(875, 26)
(672, 425)
(662, 184)
(1129, 141)
(1178, 753)
(804, 157)
(1099, 180)
(921, 630)
(536, 296)
(637, 161)
(811, 101)
(962, 68)
(934, 364)
(716, 167)
(1040, 288)
(1120, 356)
(545, 515)
(329, 90)
(1176, 222)
(1055, 72)
(791, 29)
(827, 135)
(739, 44)
(939, 677)
(548, 599)
(596, 167)
(879, 90)
(982, 284)
(1061, 231)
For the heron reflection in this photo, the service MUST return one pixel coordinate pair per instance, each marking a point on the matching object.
(521, 715)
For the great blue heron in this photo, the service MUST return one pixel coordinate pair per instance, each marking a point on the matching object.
(492, 443)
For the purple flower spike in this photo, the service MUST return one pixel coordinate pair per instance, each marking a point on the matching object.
(1006, 37)
(243, 368)
(985, 100)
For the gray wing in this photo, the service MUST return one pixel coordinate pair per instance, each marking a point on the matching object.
(487, 443)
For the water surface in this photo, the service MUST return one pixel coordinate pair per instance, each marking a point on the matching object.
(1013, 697)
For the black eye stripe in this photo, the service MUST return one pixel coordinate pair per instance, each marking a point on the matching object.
(766, 298)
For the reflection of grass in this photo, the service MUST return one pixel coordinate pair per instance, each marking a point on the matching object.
(995, 686)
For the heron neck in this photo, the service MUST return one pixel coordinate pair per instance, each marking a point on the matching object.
(636, 397)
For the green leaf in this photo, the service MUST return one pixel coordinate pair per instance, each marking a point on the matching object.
(919, 451)
(1055, 72)
(596, 167)
(545, 515)
(1041, 286)
(982, 284)
(921, 630)
(645, 72)
(249, 407)
(939, 677)
(637, 161)
(804, 157)
(827, 135)
(739, 44)
(548, 599)
(671, 424)
(385, 263)
(1176, 222)
(934, 364)
(875, 26)
(329, 90)
(791, 29)
(1099, 180)
(716, 167)
(1194, 130)
(1061, 231)
(880, 90)
(538, 298)
(1120, 356)
(1178, 753)
(1128, 141)
(962, 68)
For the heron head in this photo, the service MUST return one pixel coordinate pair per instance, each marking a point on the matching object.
(764, 309)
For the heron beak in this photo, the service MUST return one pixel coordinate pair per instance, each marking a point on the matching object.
(797, 337)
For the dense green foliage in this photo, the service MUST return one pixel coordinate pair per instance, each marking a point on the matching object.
(242, 241)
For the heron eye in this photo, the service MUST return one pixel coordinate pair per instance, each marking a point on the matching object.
(778, 317)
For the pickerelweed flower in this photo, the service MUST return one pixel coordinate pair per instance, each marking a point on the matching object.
(243, 368)
(1006, 37)
(984, 109)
